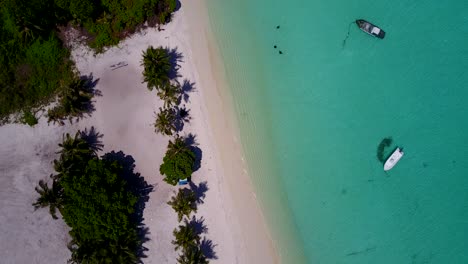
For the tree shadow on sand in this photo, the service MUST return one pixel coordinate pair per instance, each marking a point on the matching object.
(200, 190)
(93, 138)
(186, 88)
(206, 245)
(75, 101)
(190, 140)
(88, 87)
(174, 58)
(139, 187)
(182, 116)
(178, 6)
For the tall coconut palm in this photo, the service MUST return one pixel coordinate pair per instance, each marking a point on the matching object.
(192, 255)
(184, 203)
(75, 100)
(170, 94)
(176, 146)
(185, 236)
(52, 197)
(165, 121)
(157, 66)
(75, 147)
(73, 152)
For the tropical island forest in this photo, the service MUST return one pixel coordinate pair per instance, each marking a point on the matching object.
(99, 197)
(35, 56)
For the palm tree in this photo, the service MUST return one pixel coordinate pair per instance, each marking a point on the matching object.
(75, 100)
(157, 66)
(76, 147)
(169, 94)
(165, 121)
(186, 236)
(177, 146)
(184, 203)
(49, 197)
(73, 152)
(192, 255)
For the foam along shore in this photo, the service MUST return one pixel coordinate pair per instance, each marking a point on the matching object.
(124, 114)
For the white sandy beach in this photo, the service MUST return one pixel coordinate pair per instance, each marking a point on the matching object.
(125, 114)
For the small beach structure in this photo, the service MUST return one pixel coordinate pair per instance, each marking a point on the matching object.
(183, 181)
(393, 159)
(370, 28)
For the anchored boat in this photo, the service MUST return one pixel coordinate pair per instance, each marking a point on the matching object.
(370, 28)
(393, 159)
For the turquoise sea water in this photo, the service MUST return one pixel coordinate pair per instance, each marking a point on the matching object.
(312, 118)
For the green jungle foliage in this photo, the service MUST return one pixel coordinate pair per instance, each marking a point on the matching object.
(94, 201)
(178, 163)
(35, 64)
(184, 203)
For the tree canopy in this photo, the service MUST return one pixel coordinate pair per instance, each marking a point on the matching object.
(179, 161)
(157, 65)
(34, 59)
(95, 200)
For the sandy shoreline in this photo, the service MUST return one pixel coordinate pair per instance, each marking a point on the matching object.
(124, 115)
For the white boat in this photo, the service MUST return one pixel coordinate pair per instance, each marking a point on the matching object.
(393, 159)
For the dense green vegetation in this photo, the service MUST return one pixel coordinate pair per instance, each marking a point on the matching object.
(95, 200)
(34, 59)
(29, 118)
(179, 161)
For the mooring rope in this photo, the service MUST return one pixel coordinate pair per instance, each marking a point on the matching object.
(347, 35)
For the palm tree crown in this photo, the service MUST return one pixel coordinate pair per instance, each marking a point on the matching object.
(157, 65)
(192, 255)
(169, 94)
(185, 236)
(184, 203)
(52, 197)
(165, 121)
(177, 146)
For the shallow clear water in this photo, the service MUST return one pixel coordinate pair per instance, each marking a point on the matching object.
(314, 116)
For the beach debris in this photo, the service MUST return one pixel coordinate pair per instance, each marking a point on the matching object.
(118, 65)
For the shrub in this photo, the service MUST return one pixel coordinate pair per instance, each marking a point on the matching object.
(178, 162)
(29, 118)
